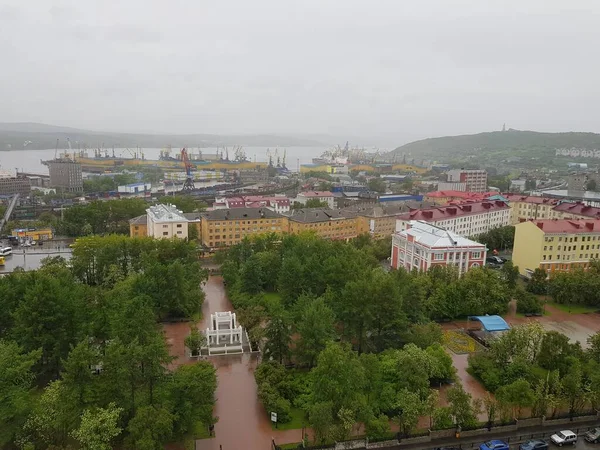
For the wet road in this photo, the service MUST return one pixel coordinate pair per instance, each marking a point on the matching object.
(31, 258)
(243, 421)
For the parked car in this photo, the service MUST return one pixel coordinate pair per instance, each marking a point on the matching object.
(494, 444)
(564, 437)
(494, 260)
(593, 435)
(534, 444)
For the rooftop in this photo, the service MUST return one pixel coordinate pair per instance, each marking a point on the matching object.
(436, 237)
(491, 323)
(316, 194)
(384, 210)
(240, 214)
(454, 210)
(578, 208)
(165, 213)
(568, 225)
(139, 220)
(461, 194)
(530, 199)
(314, 215)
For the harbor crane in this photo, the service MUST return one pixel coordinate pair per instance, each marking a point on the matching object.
(188, 184)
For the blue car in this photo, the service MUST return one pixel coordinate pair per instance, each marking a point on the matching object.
(494, 444)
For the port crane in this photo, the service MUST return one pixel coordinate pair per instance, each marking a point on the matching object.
(188, 184)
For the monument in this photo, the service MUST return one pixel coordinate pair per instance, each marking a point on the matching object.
(225, 336)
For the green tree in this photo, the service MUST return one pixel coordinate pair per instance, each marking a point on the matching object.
(16, 381)
(195, 341)
(538, 283)
(411, 408)
(315, 328)
(510, 274)
(377, 185)
(279, 337)
(150, 428)
(462, 406)
(77, 374)
(193, 234)
(517, 395)
(192, 395)
(98, 428)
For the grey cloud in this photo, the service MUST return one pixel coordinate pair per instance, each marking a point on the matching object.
(384, 67)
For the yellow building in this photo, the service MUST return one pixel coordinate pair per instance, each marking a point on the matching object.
(138, 226)
(526, 207)
(38, 234)
(226, 227)
(380, 221)
(555, 245)
(326, 223)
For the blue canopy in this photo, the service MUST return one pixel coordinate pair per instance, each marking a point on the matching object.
(492, 323)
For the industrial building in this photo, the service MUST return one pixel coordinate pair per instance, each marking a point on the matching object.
(65, 174)
(10, 185)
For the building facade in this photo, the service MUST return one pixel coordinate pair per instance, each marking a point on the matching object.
(443, 197)
(279, 204)
(166, 222)
(475, 179)
(10, 185)
(226, 227)
(423, 246)
(138, 226)
(323, 196)
(556, 245)
(527, 207)
(326, 223)
(65, 174)
(465, 219)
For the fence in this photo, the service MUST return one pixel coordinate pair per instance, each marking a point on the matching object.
(456, 440)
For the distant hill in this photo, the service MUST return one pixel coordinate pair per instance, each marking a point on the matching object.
(37, 136)
(497, 144)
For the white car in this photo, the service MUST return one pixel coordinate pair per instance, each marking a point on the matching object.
(564, 437)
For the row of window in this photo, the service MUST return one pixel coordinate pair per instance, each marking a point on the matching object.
(572, 247)
(571, 239)
(568, 257)
(243, 222)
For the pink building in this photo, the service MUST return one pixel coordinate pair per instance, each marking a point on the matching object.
(422, 246)
(278, 204)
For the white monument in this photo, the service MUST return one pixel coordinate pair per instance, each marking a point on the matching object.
(225, 335)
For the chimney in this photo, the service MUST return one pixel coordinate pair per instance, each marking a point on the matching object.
(540, 225)
(589, 225)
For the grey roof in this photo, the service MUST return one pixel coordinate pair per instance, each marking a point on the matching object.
(192, 217)
(388, 210)
(139, 220)
(165, 213)
(240, 214)
(313, 215)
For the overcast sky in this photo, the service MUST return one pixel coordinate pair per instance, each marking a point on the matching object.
(398, 68)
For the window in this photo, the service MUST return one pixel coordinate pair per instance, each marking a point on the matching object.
(165, 226)
(136, 228)
(544, 258)
(476, 255)
(545, 248)
(438, 256)
(179, 225)
(180, 232)
(165, 233)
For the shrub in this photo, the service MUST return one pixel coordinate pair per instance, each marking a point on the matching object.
(528, 303)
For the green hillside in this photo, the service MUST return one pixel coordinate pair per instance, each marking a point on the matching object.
(497, 146)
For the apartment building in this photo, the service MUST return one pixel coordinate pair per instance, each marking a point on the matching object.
(324, 196)
(465, 219)
(326, 223)
(475, 179)
(226, 227)
(422, 246)
(555, 245)
(166, 222)
(138, 226)
(575, 210)
(528, 207)
(279, 204)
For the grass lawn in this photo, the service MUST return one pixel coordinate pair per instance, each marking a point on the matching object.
(574, 309)
(296, 423)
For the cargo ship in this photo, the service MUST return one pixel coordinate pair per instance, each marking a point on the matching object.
(102, 162)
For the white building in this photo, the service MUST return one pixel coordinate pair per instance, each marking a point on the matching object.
(166, 222)
(278, 203)
(475, 179)
(422, 246)
(465, 219)
(446, 186)
(134, 188)
(324, 196)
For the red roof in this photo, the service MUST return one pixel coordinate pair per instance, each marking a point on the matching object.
(461, 194)
(578, 208)
(569, 225)
(530, 199)
(454, 210)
